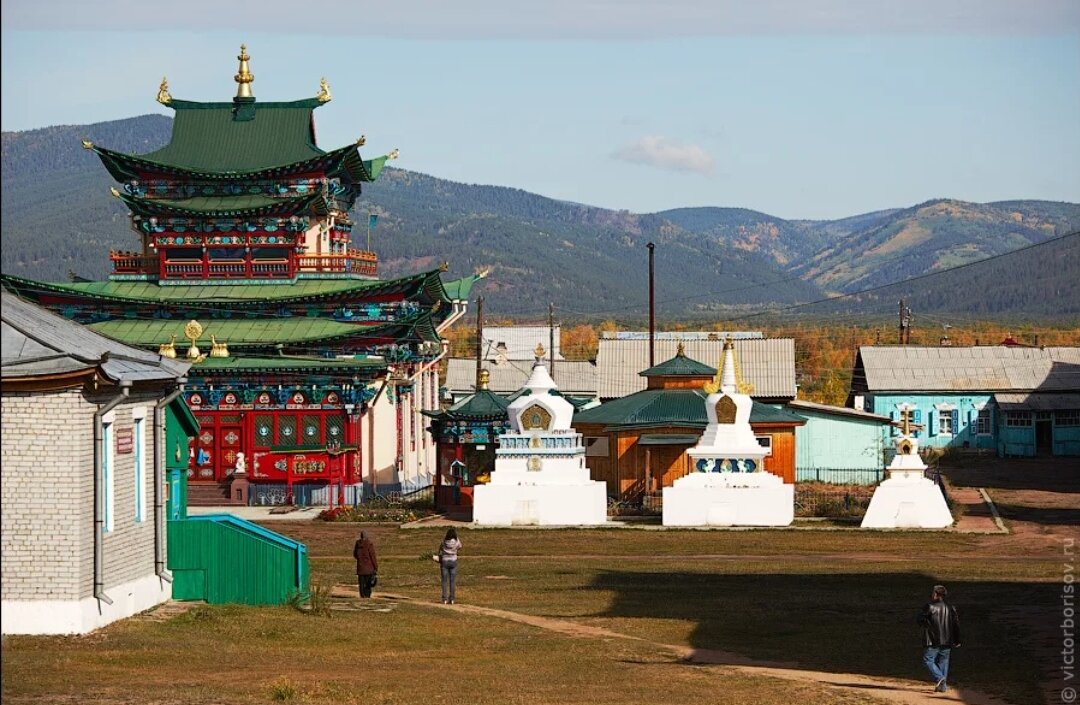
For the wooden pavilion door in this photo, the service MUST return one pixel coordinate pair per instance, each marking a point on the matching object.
(230, 442)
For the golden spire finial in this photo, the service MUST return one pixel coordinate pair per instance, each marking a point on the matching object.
(87, 144)
(361, 140)
(394, 154)
(163, 96)
(539, 352)
(681, 350)
(244, 77)
(323, 95)
(485, 379)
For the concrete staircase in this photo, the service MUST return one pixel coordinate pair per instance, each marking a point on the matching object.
(209, 494)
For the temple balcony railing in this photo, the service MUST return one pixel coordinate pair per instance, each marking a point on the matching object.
(133, 263)
(359, 262)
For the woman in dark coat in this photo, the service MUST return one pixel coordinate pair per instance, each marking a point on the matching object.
(366, 563)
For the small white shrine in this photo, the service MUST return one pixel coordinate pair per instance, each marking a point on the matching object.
(729, 486)
(540, 476)
(907, 499)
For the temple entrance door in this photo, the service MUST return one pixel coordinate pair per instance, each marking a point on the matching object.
(229, 438)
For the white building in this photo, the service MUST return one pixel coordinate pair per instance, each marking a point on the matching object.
(82, 483)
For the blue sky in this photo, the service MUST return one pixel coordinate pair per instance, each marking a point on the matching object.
(802, 110)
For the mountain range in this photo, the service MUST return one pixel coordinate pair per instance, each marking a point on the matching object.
(57, 218)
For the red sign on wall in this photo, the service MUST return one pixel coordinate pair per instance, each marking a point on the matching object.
(125, 440)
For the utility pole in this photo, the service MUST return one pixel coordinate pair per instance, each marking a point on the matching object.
(905, 323)
(479, 337)
(551, 339)
(652, 306)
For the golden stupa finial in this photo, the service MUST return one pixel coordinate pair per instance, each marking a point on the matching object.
(361, 140)
(323, 96)
(218, 349)
(192, 331)
(714, 385)
(168, 349)
(87, 144)
(163, 96)
(394, 154)
(244, 77)
(539, 352)
(485, 379)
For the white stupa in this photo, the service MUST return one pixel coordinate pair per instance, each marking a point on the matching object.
(907, 499)
(540, 476)
(729, 486)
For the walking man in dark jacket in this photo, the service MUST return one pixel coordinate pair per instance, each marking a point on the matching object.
(366, 563)
(941, 634)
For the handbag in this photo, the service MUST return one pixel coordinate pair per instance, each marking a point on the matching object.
(374, 580)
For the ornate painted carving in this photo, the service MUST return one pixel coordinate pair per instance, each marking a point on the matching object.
(535, 417)
(726, 410)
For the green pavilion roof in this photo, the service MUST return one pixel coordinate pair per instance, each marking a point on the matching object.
(265, 333)
(244, 205)
(484, 405)
(239, 137)
(670, 407)
(679, 366)
(426, 287)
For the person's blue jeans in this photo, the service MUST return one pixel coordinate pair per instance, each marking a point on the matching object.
(936, 659)
(448, 569)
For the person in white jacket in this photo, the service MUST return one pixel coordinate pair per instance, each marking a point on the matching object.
(448, 555)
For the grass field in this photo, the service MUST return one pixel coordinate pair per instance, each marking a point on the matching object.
(833, 601)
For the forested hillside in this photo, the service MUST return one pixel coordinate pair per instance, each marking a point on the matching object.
(58, 217)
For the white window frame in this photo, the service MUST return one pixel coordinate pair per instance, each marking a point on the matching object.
(138, 432)
(945, 411)
(766, 444)
(979, 418)
(108, 470)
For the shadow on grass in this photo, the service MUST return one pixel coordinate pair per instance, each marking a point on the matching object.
(1040, 515)
(847, 623)
(1044, 474)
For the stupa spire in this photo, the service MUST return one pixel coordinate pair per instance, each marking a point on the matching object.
(728, 383)
(244, 77)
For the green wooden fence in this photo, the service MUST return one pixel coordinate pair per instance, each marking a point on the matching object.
(221, 558)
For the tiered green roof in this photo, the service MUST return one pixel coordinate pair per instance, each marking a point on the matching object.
(242, 206)
(424, 288)
(312, 365)
(485, 405)
(266, 333)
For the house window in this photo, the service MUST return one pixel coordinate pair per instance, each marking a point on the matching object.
(596, 446)
(766, 444)
(1067, 418)
(945, 423)
(1018, 418)
(107, 469)
(140, 468)
(982, 423)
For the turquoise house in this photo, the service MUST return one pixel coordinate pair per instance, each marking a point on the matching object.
(1012, 399)
(838, 444)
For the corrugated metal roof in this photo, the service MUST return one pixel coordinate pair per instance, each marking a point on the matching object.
(571, 377)
(1038, 401)
(767, 364)
(968, 369)
(804, 405)
(519, 342)
(38, 342)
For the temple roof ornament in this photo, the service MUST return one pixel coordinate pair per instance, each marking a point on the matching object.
(192, 331)
(485, 379)
(244, 77)
(163, 96)
(218, 349)
(361, 140)
(323, 96)
(394, 154)
(168, 349)
(87, 144)
(681, 350)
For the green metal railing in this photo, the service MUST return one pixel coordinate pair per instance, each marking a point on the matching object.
(221, 558)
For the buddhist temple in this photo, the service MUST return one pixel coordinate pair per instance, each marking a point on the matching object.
(303, 360)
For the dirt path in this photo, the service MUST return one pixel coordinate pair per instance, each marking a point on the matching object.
(890, 690)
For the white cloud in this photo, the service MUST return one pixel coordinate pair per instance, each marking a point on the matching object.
(664, 153)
